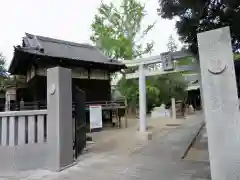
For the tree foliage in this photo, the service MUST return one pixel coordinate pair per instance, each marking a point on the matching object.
(118, 32)
(165, 87)
(160, 89)
(202, 15)
(172, 45)
(3, 71)
(5, 79)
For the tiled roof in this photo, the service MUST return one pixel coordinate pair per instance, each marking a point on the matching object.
(64, 49)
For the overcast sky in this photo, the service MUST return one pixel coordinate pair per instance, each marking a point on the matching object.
(66, 19)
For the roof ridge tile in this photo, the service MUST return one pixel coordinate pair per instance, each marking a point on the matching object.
(54, 40)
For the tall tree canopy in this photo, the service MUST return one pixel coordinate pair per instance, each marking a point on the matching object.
(118, 30)
(195, 16)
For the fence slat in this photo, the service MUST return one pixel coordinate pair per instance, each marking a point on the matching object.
(31, 129)
(21, 130)
(12, 131)
(4, 131)
(40, 128)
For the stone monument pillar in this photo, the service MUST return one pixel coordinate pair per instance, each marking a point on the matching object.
(59, 118)
(220, 100)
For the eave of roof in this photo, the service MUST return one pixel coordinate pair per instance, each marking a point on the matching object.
(113, 65)
(36, 52)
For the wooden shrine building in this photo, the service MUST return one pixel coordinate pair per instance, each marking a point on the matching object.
(91, 69)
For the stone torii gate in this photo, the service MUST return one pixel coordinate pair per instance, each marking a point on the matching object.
(168, 66)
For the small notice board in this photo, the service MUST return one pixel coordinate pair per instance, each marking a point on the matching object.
(95, 112)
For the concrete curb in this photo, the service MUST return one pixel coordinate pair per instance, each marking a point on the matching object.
(193, 140)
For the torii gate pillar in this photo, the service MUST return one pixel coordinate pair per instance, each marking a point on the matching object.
(142, 99)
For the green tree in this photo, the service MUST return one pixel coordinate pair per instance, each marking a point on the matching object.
(172, 45)
(164, 87)
(118, 32)
(202, 15)
(6, 79)
(3, 71)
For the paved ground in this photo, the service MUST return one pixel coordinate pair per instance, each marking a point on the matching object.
(199, 151)
(158, 159)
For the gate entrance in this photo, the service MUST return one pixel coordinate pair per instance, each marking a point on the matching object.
(79, 121)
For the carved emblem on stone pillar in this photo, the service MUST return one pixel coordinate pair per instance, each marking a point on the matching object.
(52, 89)
(216, 66)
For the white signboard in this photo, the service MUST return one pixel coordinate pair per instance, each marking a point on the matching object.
(95, 116)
